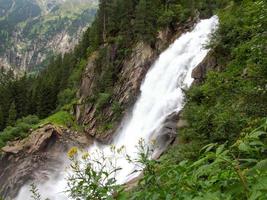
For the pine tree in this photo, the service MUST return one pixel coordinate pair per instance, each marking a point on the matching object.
(146, 20)
(127, 15)
(140, 25)
(2, 122)
(12, 115)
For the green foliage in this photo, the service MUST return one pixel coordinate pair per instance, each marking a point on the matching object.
(223, 114)
(235, 172)
(36, 22)
(219, 109)
(12, 115)
(76, 74)
(117, 109)
(102, 100)
(145, 22)
(2, 123)
(61, 118)
(35, 193)
(66, 96)
(173, 14)
(93, 176)
(20, 129)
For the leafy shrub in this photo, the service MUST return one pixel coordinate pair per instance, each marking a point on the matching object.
(93, 176)
(235, 172)
(117, 109)
(66, 96)
(60, 118)
(103, 100)
(31, 119)
(19, 131)
(76, 74)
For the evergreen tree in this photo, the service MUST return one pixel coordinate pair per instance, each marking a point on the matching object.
(126, 19)
(146, 20)
(140, 24)
(12, 115)
(2, 122)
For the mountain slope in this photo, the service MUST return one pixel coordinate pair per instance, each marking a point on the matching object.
(221, 144)
(32, 30)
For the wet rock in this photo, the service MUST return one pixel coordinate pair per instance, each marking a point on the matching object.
(166, 135)
(200, 72)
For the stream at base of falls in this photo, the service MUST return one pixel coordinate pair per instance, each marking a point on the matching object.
(161, 95)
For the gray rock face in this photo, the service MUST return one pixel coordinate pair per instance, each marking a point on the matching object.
(208, 64)
(125, 91)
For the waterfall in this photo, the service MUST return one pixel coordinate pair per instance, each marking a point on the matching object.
(161, 95)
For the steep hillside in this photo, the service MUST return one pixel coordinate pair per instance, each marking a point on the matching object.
(33, 30)
(217, 143)
(220, 150)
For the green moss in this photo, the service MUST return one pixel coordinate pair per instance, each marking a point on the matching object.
(61, 118)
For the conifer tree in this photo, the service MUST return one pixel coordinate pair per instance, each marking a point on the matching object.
(12, 115)
(2, 122)
(127, 14)
(146, 20)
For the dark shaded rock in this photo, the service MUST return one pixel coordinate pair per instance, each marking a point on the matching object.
(200, 72)
(166, 135)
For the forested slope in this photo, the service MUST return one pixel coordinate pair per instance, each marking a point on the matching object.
(118, 26)
(221, 150)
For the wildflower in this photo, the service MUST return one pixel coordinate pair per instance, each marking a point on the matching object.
(72, 152)
(85, 155)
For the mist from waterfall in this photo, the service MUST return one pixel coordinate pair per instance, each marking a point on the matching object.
(161, 95)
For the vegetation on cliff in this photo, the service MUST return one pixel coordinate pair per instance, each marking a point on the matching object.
(56, 85)
(222, 151)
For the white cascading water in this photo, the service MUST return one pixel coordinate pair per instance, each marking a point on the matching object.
(161, 95)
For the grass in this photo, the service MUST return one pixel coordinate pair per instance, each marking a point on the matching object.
(61, 118)
(23, 126)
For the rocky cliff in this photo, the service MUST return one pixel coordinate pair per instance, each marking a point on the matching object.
(126, 89)
(209, 63)
(32, 31)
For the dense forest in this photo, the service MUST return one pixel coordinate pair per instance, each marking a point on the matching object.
(222, 151)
